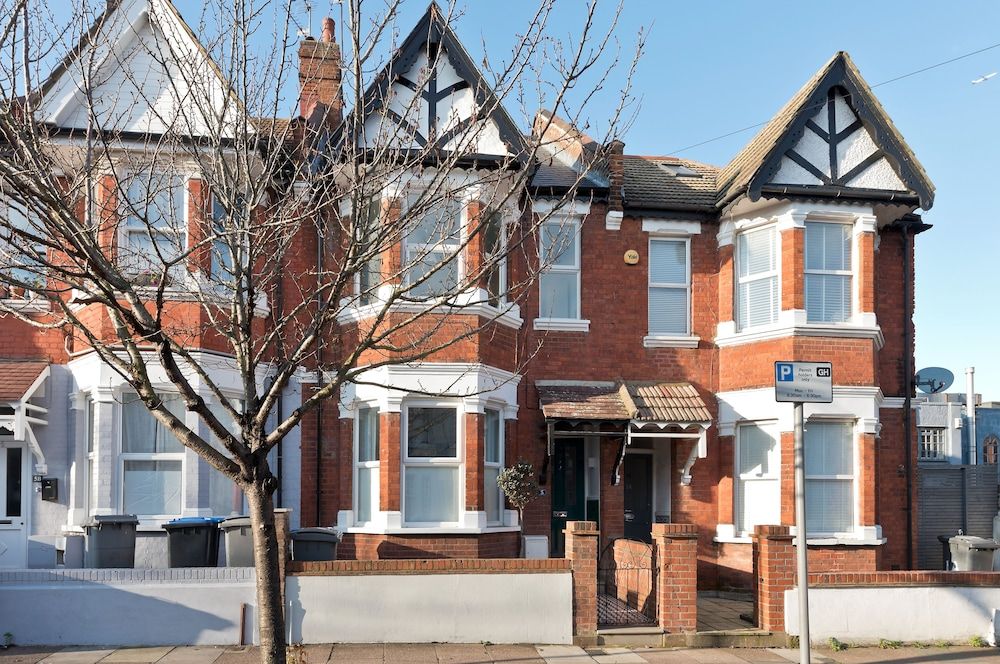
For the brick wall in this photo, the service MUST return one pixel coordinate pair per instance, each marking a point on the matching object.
(677, 576)
(581, 551)
(361, 546)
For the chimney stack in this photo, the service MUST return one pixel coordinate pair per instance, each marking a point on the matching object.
(616, 175)
(320, 76)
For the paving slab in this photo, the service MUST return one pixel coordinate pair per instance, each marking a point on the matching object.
(25, 654)
(511, 654)
(363, 653)
(716, 656)
(564, 655)
(138, 655)
(193, 655)
(462, 653)
(792, 655)
(239, 655)
(82, 655)
(407, 653)
(760, 655)
(911, 655)
(666, 655)
(615, 656)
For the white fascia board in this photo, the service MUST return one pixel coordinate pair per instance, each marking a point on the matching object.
(858, 403)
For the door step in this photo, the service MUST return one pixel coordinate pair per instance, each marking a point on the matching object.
(654, 637)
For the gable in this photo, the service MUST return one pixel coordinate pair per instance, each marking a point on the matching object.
(140, 70)
(832, 139)
(432, 95)
(836, 149)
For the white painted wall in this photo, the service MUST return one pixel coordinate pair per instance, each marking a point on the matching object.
(447, 608)
(126, 607)
(927, 613)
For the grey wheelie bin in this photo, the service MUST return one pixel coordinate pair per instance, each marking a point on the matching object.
(315, 543)
(111, 541)
(239, 541)
(193, 541)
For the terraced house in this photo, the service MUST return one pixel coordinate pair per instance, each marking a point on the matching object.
(634, 371)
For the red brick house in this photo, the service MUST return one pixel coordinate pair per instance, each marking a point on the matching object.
(670, 288)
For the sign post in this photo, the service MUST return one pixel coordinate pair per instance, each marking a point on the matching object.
(799, 383)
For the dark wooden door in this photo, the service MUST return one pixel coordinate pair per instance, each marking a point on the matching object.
(568, 503)
(638, 497)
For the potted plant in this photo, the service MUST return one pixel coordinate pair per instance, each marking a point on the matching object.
(518, 483)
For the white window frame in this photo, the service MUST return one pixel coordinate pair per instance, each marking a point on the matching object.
(244, 241)
(457, 462)
(771, 428)
(548, 267)
(124, 456)
(686, 287)
(839, 273)
(925, 441)
(502, 220)
(89, 495)
(451, 249)
(375, 496)
(125, 210)
(851, 427)
(773, 273)
(498, 464)
(36, 252)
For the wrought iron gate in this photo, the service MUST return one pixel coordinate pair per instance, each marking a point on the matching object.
(626, 584)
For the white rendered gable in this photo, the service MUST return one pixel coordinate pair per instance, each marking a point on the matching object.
(143, 73)
(411, 119)
(856, 161)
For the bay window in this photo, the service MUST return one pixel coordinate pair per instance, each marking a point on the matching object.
(828, 272)
(152, 460)
(366, 234)
(757, 296)
(366, 465)
(493, 462)
(829, 452)
(432, 465)
(22, 261)
(758, 466)
(669, 287)
(494, 254)
(559, 282)
(154, 225)
(224, 496)
(231, 246)
(431, 248)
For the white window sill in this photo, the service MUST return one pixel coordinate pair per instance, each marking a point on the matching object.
(508, 315)
(729, 337)
(562, 324)
(844, 541)
(35, 305)
(198, 289)
(663, 341)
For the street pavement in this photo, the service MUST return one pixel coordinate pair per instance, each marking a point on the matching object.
(479, 653)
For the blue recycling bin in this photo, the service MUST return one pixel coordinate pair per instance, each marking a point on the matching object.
(193, 541)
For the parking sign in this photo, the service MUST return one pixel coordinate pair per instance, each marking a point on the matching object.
(803, 382)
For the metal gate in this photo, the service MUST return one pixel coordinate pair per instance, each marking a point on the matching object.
(953, 498)
(626, 584)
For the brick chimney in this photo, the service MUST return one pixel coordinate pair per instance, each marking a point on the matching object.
(320, 75)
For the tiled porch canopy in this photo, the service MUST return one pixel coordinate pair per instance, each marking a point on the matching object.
(640, 409)
(20, 381)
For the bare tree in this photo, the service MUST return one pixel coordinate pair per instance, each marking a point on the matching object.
(156, 205)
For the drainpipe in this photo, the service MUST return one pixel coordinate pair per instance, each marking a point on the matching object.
(970, 414)
(319, 376)
(908, 387)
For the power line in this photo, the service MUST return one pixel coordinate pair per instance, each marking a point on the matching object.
(886, 82)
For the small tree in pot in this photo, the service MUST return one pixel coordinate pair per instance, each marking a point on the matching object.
(518, 483)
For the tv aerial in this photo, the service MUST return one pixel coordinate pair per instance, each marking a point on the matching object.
(933, 379)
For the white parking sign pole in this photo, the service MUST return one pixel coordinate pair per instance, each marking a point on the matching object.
(801, 382)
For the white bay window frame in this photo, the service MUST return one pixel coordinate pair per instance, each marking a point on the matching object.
(745, 282)
(455, 463)
(125, 457)
(818, 312)
(766, 514)
(448, 245)
(816, 479)
(366, 502)
(137, 210)
(493, 464)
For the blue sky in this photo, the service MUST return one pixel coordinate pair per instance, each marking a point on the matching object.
(712, 68)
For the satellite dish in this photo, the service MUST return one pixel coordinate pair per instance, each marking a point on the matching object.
(933, 379)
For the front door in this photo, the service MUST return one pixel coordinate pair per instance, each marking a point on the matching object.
(639, 497)
(13, 507)
(568, 496)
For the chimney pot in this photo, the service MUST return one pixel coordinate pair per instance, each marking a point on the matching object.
(328, 29)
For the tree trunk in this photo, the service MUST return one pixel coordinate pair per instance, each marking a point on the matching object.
(270, 611)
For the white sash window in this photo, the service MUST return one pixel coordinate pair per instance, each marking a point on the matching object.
(828, 272)
(829, 451)
(669, 287)
(758, 471)
(758, 299)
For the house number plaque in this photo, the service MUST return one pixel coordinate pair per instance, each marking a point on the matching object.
(631, 257)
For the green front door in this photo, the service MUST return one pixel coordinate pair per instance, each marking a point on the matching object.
(568, 503)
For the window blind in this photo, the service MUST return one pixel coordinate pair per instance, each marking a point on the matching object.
(757, 278)
(828, 272)
(668, 287)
